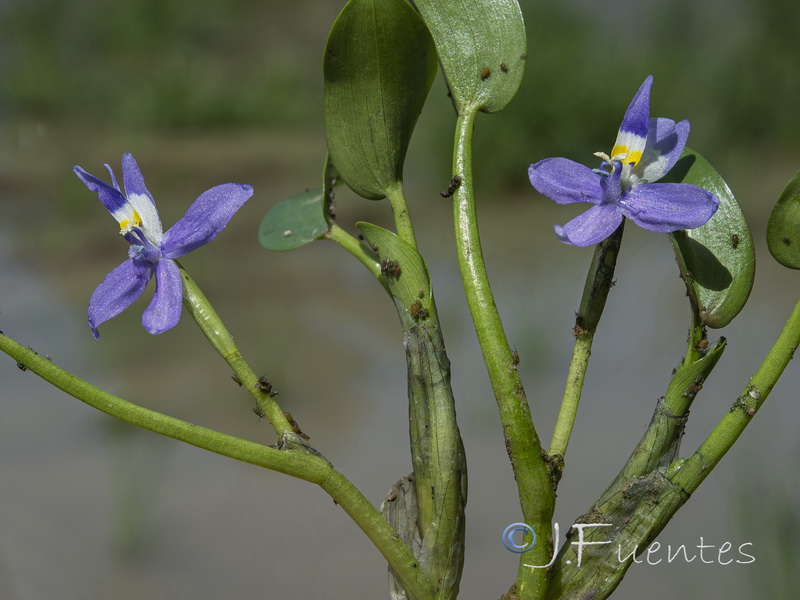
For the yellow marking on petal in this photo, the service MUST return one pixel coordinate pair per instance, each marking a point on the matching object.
(620, 149)
(127, 224)
(633, 157)
(623, 154)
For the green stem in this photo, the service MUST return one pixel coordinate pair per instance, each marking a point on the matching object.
(572, 394)
(293, 460)
(697, 334)
(660, 443)
(360, 251)
(531, 470)
(437, 452)
(599, 281)
(689, 474)
(212, 327)
(641, 503)
(402, 218)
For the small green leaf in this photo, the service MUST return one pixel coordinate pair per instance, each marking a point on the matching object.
(783, 229)
(379, 65)
(482, 48)
(717, 260)
(407, 275)
(294, 222)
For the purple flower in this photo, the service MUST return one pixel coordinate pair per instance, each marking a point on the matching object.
(645, 150)
(152, 252)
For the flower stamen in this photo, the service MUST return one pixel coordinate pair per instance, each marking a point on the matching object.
(603, 156)
(608, 166)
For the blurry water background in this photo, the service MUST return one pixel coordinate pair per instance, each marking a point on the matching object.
(91, 508)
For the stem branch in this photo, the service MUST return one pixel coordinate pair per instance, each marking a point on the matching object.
(293, 460)
(691, 472)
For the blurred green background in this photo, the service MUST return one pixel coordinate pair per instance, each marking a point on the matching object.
(241, 65)
(231, 91)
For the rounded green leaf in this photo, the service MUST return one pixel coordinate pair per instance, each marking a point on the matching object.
(717, 260)
(783, 229)
(379, 65)
(294, 222)
(482, 48)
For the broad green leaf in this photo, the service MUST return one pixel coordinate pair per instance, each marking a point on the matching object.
(294, 222)
(411, 286)
(482, 48)
(717, 260)
(783, 229)
(379, 65)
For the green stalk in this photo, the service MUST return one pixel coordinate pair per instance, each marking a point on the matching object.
(581, 352)
(531, 469)
(689, 474)
(358, 250)
(697, 333)
(293, 459)
(212, 327)
(659, 445)
(599, 280)
(643, 503)
(402, 219)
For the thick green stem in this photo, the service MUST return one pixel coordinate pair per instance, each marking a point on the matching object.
(599, 281)
(212, 327)
(292, 459)
(531, 469)
(437, 452)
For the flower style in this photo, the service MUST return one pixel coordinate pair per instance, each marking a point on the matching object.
(645, 150)
(152, 251)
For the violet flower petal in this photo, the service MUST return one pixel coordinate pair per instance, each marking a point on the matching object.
(133, 179)
(164, 311)
(140, 198)
(120, 288)
(565, 181)
(206, 217)
(632, 134)
(590, 227)
(665, 143)
(114, 181)
(111, 197)
(667, 207)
